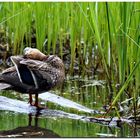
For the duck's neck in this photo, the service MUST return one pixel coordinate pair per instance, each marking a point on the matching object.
(40, 56)
(43, 57)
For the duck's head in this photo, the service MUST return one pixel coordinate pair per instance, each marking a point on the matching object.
(33, 53)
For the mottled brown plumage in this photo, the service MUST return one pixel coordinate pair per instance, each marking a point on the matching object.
(34, 72)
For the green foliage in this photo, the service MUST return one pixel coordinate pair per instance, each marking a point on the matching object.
(111, 29)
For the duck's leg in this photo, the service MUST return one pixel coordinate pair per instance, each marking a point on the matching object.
(39, 107)
(30, 99)
(36, 100)
(36, 104)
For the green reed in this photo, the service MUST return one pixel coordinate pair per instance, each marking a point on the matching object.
(111, 29)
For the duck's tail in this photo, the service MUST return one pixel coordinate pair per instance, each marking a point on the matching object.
(3, 85)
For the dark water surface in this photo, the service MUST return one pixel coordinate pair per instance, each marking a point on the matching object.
(75, 111)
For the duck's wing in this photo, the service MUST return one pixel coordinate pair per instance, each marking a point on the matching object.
(9, 70)
(34, 64)
(3, 85)
(9, 80)
(41, 70)
(16, 76)
(24, 73)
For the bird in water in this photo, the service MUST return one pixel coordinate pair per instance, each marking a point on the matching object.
(33, 73)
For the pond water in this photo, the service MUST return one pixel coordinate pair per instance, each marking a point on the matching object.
(59, 119)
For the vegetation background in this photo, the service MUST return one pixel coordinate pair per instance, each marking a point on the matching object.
(91, 36)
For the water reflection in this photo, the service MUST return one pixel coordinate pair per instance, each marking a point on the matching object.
(33, 131)
(63, 116)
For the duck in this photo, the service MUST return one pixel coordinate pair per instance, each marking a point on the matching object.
(33, 73)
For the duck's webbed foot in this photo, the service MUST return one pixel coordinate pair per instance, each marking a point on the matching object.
(36, 104)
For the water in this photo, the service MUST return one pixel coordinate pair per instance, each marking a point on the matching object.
(64, 127)
(70, 116)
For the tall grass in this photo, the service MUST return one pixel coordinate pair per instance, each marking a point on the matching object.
(110, 29)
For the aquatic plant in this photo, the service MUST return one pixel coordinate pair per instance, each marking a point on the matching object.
(94, 35)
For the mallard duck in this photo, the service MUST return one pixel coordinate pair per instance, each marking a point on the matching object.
(34, 73)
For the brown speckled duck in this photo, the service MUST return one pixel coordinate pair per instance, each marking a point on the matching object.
(34, 73)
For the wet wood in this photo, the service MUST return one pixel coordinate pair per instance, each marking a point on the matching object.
(47, 96)
(23, 107)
